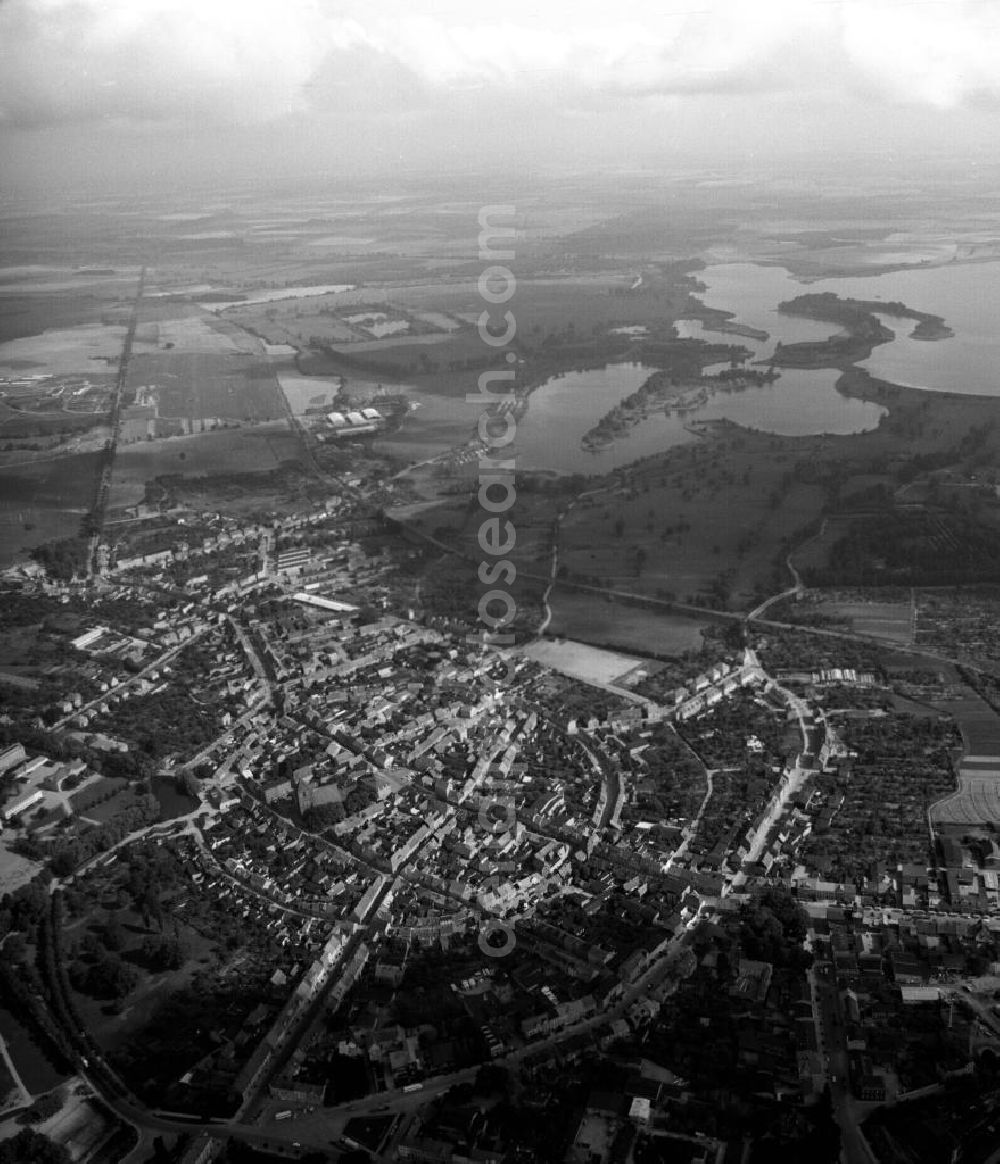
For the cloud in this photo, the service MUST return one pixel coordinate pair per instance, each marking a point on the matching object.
(254, 61)
(155, 59)
(940, 55)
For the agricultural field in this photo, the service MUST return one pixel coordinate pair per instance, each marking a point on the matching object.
(199, 369)
(871, 614)
(977, 800)
(190, 371)
(185, 328)
(195, 386)
(341, 318)
(911, 547)
(563, 322)
(962, 624)
(883, 620)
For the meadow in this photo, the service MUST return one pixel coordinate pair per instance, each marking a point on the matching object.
(44, 501)
(238, 450)
(89, 348)
(581, 661)
(591, 618)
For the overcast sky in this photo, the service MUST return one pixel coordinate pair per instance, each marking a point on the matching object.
(147, 88)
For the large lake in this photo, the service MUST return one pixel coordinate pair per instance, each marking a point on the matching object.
(802, 402)
(964, 295)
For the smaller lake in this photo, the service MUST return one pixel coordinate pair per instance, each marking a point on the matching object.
(561, 411)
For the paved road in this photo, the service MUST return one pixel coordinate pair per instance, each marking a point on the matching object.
(133, 679)
(847, 1111)
(253, 658)
(798, 775)
(796, 588)
(692, 829)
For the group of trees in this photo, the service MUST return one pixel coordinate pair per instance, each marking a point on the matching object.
(911, 548)
(31, 1147)
(42, 1109)
(772, 928)
(63, 559)
(169, 721)
(110, 977)
(67, 853)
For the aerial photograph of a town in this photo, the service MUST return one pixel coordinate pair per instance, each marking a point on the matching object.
(500, 582)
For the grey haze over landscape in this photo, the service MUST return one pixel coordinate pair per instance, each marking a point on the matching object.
(127, 88)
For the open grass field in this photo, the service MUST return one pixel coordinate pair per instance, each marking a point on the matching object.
(280, 491)
(592, 619)
(245, 449)
(581, 660)
(15, 870)
(18, 537)
(103, 812)
(979, 724)
(93, 347)
(711, 521)
(44, 500)
(25, 314)
(308, 392)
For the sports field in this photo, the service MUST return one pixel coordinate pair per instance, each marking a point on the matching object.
(580, 660)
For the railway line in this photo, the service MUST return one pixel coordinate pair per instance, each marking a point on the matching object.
(95, 519)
